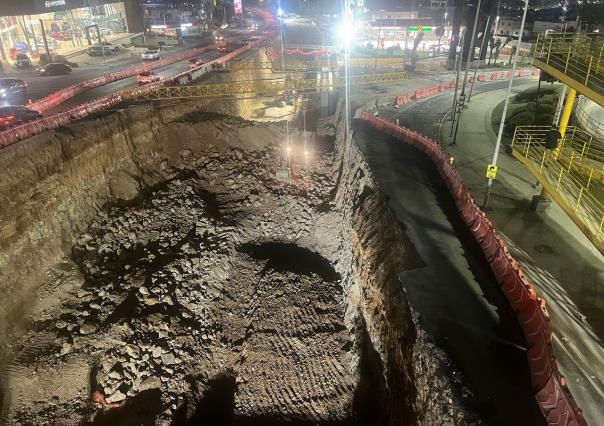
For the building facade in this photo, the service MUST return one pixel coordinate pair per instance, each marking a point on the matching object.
(66, 24)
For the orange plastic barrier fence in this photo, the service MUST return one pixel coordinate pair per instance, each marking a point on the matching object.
(57, 98)
(79, 112)
(423, 93)
(552, 394)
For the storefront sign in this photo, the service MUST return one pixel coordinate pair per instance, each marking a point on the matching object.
(44, 6)
(54, 3)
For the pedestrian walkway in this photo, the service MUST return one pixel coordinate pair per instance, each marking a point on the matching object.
(564, 266)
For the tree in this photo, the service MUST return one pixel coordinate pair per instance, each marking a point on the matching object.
(418, 39)
(439, 32)
(512, 55)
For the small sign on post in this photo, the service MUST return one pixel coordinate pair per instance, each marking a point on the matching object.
(491, 171)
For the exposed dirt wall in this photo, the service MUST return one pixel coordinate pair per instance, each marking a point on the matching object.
(58, 183)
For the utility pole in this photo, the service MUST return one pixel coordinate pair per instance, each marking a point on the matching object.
(505, 107)
(484, 37)
(98, 34)
(458, 61)
(45, 41)
(470, 55)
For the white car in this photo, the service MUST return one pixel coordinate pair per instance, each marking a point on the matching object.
(150, 55)
(105, 32)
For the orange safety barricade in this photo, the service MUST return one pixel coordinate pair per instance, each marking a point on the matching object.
(556, 403)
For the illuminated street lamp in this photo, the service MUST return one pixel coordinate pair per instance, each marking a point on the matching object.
(279, 11)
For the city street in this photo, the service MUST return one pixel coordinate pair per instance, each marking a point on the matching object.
(88, 68)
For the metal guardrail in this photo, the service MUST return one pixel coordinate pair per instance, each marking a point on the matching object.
(571, 174)
(260, 87)
(308, 66)
(576, 59)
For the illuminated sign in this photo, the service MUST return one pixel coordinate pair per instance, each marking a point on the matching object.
(54, 3)
(420, 29)
(238, 7)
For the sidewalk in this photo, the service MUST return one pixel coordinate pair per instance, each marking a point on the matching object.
(562, 264)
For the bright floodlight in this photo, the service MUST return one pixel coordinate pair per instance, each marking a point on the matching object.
(345, 30)
(279, 11)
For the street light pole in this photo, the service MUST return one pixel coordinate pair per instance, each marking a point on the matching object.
(470, 55)
(458, 66)
(505, 107)
(484, 37)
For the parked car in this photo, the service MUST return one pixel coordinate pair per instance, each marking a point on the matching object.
(54, 68)
(11, 116)
(13, 91)
(101, 50)
(150, 55)
(105, 32)
(109, 45)
(22, 61)
(147, 77)
(195, 62)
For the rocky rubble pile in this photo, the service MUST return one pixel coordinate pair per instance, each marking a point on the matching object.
(175, 296)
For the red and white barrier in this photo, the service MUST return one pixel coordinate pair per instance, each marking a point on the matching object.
(553, 396)
(27, 130)
(434, 90)
(60, 96)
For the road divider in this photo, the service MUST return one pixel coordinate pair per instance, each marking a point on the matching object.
(553, 396)
(440, 88)
(57, 98)
(87, 109)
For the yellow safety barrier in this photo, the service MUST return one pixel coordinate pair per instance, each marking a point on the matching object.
(575, 59)
(572, 175)
(260, 87)
(318, 65)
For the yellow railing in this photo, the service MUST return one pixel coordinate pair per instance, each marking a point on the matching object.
(571, 174)
(578, 57)
(266, 87)
(304, 66)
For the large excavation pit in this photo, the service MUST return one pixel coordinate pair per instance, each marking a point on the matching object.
(163, 274)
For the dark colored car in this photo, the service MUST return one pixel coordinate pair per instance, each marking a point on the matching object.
(54, 68)
(13, 91)
(12, 116)
(22, 61)
(100, 50)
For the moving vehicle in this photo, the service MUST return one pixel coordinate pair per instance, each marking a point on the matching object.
(246, 41)
(11, 116)
(13, 91)
(195, 62)
(147, 77)
(150, 55)
(22, 61)
(54, 68)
